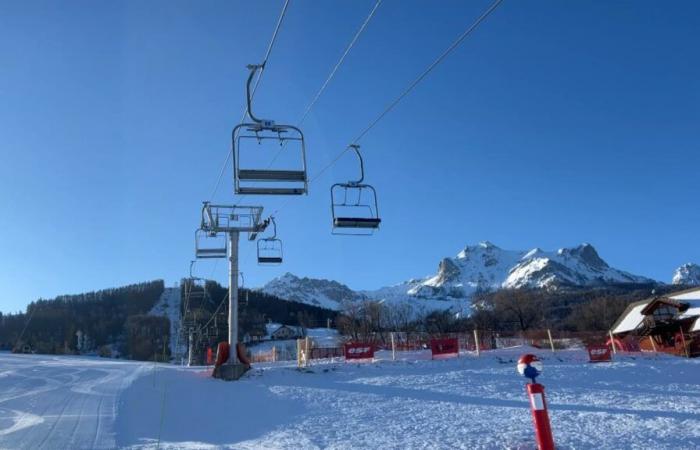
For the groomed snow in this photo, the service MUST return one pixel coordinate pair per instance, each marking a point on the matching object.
(52, 402)
(642, 401)
(168, 305)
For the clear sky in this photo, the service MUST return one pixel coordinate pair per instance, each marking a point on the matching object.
(555, 123)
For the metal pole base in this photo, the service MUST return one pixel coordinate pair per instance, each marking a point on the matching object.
(230, 372)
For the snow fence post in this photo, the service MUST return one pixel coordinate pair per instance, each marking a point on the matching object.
(530, 366)
(393, 347)
(476, 342)
(612, 341)
(551, 342)
(540, 417)
(307, 350)
(298, 352)
(685, 346)
(274, 353)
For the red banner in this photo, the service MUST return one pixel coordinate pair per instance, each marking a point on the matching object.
(599, 353)
(358, 350)
(444, 348)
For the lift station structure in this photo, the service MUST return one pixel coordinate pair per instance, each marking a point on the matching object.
(229, 221)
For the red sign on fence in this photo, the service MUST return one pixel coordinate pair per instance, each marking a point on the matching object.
(359, 350)
(599, 353)
(444, 348)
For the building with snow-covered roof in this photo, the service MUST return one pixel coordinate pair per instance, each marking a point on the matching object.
(669, 324)
(278, 331)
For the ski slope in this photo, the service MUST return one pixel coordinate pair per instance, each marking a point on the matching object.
(168, 306)
(61, 402)
(641, 401)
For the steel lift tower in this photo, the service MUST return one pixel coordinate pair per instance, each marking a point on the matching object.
(229, 221)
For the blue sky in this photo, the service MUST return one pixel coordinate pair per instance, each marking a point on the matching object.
(555, 123)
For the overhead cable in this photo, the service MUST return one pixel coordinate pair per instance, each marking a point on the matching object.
(406, 91)
(255, 87)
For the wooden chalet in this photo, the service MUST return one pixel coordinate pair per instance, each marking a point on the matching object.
(669, 324)
(284, 332)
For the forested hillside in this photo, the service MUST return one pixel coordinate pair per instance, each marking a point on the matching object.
(80, 323)
(205, 311)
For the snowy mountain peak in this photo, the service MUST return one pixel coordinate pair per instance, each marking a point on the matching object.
(585, 253)
(479, 267)
(688, 274)
(485, 266)
(480, 248)
(317, 292)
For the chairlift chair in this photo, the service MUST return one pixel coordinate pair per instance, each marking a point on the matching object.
(266, 181)
(270, 248)
(354, 205)
(209, 244)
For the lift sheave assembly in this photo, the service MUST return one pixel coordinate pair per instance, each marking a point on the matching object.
(223, 219)
(249, 174)
(354, 205)
(270, 248)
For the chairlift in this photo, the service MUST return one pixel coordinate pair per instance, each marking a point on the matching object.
(192, 263)
(354, 205)
(270, 248)
(266, 181)
(209, 244)
(193, 285)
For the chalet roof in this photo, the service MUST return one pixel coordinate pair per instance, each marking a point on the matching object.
(632, 317)
(692, 298)
(272, 328)
(650, 307)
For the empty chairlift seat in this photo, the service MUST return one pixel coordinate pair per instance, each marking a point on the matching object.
(354, 205)
(268, 181)
(270, 248)
(356, 222)
(210, 245)
(254, 156)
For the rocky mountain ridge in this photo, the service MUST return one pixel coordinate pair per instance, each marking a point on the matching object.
(480, 267)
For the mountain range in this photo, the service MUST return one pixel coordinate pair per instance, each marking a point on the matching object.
(481, 267)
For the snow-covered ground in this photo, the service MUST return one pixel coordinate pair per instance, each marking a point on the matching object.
(641, 401)
(61, 402)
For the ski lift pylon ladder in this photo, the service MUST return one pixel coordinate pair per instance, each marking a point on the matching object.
(268, 181)
(354, 205)
(270, 248)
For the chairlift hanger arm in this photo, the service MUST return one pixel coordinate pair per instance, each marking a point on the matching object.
(274, 227)
(356, 148)
(207, 218)
(253, 70)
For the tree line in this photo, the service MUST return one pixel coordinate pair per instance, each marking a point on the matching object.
(104, 321)
(506, 311)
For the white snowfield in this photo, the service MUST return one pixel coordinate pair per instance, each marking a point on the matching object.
(61, 402)
(640, 402)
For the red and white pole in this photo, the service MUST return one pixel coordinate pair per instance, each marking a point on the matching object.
(540, 417)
